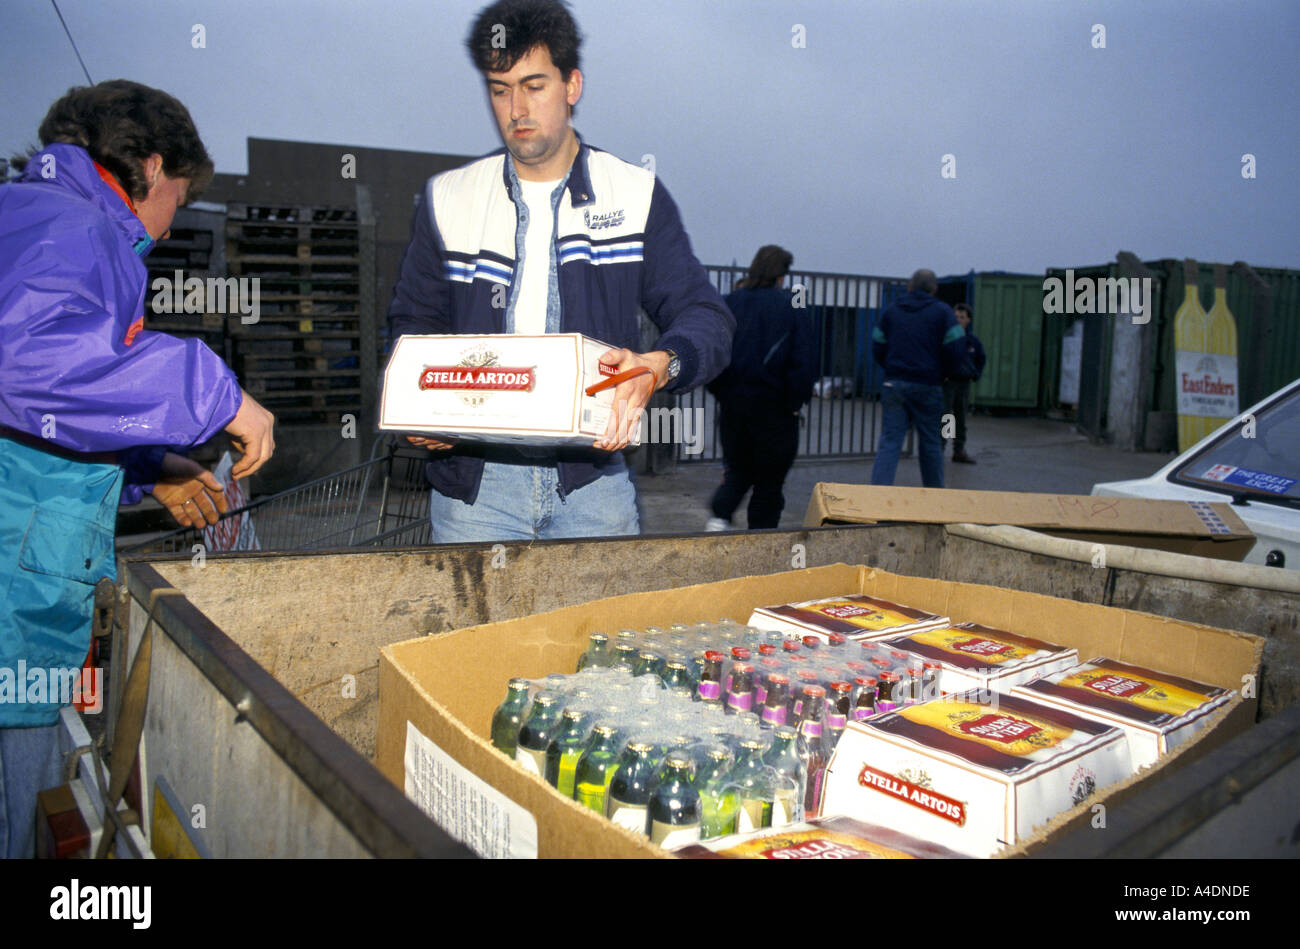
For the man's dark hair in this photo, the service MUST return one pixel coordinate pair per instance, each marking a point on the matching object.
(964, 307)
(925, 281)
(508, 30)
(121, 123)
(768, 269)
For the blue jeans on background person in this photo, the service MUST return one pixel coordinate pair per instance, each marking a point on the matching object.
(31, 761)
(521, 502)
(907, 405)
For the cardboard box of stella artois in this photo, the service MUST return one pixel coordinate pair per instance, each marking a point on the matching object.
(856, 615)
(502, 388)
(1157, 711)
(969, 773)
(974, 656)
(821, 838)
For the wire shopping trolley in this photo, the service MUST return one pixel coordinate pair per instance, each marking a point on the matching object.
(383, 502)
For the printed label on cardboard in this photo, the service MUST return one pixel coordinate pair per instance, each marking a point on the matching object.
(464, 805)
(1146, 692)
(1118, 685)
(986, 648)
(1002, 728)
(492, 379)
(901, 789)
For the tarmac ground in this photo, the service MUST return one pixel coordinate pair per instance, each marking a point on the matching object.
(1011, 454)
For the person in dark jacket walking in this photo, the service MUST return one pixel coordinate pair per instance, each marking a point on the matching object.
(917, 341)
(760, 393)
(956, 389)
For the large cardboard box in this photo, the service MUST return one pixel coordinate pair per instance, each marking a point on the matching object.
(860, 618)
(500, 389)
(437, 693)
(1198, 528)
(1156, 710)
(975, 656)
(972, 774)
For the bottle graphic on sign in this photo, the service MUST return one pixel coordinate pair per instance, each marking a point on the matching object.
(1221, 342)
(1205, 359)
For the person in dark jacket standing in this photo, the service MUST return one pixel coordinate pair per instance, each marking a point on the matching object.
(917, 341)
(956, 389)
(760, 393)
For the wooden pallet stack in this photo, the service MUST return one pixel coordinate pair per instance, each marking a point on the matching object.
(189, 251)
(305, 358)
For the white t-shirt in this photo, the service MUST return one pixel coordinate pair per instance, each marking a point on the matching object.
(534, 282)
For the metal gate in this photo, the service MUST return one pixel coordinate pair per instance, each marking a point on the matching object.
(842, 419)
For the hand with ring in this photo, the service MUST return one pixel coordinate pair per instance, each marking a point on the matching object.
(191, 494)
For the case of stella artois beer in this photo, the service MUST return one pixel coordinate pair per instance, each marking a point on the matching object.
(972, 771)
(821, 838)
(974, 656)
(1157, 711)
(858, 616)
(501, 388)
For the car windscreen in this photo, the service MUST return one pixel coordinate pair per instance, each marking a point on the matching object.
(1260, 461)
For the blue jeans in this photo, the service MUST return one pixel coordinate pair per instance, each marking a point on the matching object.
(31, 761)
(905, 405)
(522, 502)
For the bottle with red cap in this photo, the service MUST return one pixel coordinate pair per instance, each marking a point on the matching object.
(839, 703)
(812, 643)
(930, 680)
(864, 698)
(801, 678)
(791, 647)
(775, 703)
(763, 670)
(857, 667)
(830, 673)
(812, 748)
(710, 688)
(738, 654)
(837, 640)
(887, 695)
(740, 694)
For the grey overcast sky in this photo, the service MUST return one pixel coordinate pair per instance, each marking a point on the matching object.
(1064, 153)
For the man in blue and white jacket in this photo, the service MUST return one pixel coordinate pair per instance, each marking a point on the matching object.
(551, 235)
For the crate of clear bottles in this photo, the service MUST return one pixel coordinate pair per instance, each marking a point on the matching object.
(672, 722)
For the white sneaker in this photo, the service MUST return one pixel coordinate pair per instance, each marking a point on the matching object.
(717, 524)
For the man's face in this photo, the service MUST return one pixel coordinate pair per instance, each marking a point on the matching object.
(531, 103)
(158, 208)
(963, 318)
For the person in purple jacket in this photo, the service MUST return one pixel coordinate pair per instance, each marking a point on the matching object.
(91, 404)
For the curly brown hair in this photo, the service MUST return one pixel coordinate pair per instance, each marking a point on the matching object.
(121, 123)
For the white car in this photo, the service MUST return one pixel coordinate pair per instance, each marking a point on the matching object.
(1256, 467)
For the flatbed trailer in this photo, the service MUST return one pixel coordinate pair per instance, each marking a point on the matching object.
(263, 701)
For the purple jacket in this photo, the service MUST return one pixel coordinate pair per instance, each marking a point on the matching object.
(72, 284)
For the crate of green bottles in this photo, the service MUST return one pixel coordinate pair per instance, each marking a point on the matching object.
(676, 733)
(656, 756)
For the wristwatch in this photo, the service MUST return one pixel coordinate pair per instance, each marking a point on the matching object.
(674, 367)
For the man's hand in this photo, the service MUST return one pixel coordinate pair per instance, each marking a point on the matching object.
(430, 443)
(250, 430)
(631, 396)
(191, 493)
